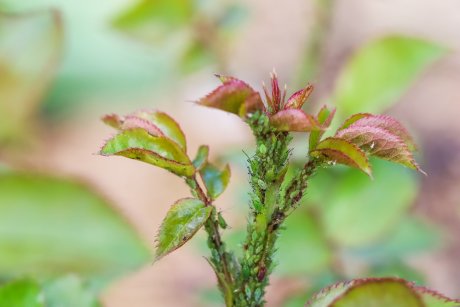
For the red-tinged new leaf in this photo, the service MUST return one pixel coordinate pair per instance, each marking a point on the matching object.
(182, 221)
(340, 151)
(298, 99)
(324, 118)
(132, 122)
(434, 299)
(252, 104)
(388, 123)
(160, 151)
(166, 124)
(380, 143)
(294, 120)
(113, 120)
(230, 96)
(352, 119)
(215, 180)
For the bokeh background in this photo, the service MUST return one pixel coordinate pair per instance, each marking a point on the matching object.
(84, 225)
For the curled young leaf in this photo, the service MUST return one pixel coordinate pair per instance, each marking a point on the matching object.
(294, 120)
(215, 180)
(157, 150)
(182, 221)
(338, 150)
(324, 118)
(233, 96)
(380, 143)
(298, 99)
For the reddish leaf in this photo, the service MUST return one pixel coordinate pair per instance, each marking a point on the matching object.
(341, 151)
(113, 120)
(352, 119)
(388, 123)
(380, 143)
(231, 95)
(131, 122)
(294, 120)
(297, 100)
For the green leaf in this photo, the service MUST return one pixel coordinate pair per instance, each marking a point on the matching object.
(357, 211)
(327, 296)
(379, 73)
(152, 20)
(343, 152)
(69, 291)
(324, 118)
(30, 49)
(201, 157)
(301, 248)
(21, 293)
(160, 151)
(50, 227)
(379, 293)
(215, 180)
(182, 221)
(168, 126)
(434, 299)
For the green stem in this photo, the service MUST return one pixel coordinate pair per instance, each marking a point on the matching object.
(220, 258)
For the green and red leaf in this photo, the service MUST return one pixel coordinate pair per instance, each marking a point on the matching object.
(157, 150)
(324, 118)
(294, 120)
(340, 151)
(182, 221)
(233, 96)
(298, 99)
(381, 143)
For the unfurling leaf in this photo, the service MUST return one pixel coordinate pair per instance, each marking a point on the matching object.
(324, 118)
(379, 292)
(234, 96)
(157, 150)
(294, 120)
(201, 157)
(381, 143)
(298, 99)
(154, 122)
(214, 179)
(338, 150)
(182, 221)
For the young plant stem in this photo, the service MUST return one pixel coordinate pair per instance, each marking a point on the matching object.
(219, 259)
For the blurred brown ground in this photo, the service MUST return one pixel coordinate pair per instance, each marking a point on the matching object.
(274, 36)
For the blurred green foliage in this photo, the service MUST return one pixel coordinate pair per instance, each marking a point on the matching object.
(21, 293)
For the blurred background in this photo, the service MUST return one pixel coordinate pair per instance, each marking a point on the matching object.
(84, 225)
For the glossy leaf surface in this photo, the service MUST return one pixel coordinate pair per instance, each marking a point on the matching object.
(215, 180)
(182, 221)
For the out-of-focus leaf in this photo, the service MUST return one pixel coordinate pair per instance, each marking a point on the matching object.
(357, 211)
(301, 247)
(155, 19)
(138, 144)
(50, 227)
(196, 56)
(215, 180)
(379, 293)
(324, 118)
(30, 48)
(201, 157)
(233, 96)
(397, 269)
(69, 291)
(183, 220)
(294, 120)
(21, 293)
(343, 152)
(326, 296)
(379, 73)
(381, 143)
(410, 237)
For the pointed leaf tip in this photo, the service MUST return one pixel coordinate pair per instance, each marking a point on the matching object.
(215, 180)
(182, 221)
(298, 99)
